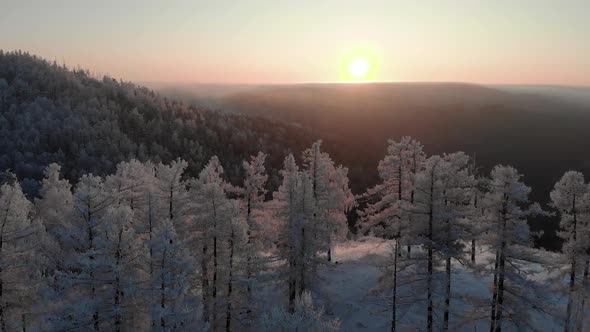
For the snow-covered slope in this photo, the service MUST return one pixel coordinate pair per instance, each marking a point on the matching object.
(345, 292)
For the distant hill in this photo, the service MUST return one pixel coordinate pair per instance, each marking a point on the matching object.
(49, 113)
(541, 134)
(570, 94)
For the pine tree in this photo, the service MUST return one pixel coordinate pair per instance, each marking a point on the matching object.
(452, 228)
(386, 213)
(331, 195)
(478, 186)
(571, 198)
(18, 237)
(54, 208)
(508, 236)
(172, 189)
(120, 255)
(252, 210)
(55, 202)
(305, 317)
(91, 201)
(291, 204)
(213, 214)
(428, 205)
(172, 304)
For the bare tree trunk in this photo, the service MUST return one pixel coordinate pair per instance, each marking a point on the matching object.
(117, 299)
(584, 295)
(394, 296)
(473, 251)
(2, 318)
(292, 284)
(229, 283)
(430, 255)
(572, 285)
(499, 307)
(494, 294)
(170, 198)
(292, 267)
(151, 231)
(214, 285)
(570, 300)
(399, 198)
(502, 270)
(163, 291)
(249, 258)
(205, 283)
(2, 314)
(215, 265)
(91, 247)
(302, 258)
(447, 295)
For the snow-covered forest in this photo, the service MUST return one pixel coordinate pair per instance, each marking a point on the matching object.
(150, 248)
(158, 230)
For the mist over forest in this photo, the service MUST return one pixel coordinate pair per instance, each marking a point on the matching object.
(540, 130)
(305, 207)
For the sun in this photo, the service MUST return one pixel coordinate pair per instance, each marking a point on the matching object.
(358, 68)
(359, 64)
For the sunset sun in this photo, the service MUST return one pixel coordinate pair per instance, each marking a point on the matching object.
(358, 68)
(359, 64)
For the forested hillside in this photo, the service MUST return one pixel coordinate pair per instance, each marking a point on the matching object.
(150, 248)
(49, 113)
(542, 135)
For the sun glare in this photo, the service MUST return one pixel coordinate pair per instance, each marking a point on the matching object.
(358, 68)
(359, 64)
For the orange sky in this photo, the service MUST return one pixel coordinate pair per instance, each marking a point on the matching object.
(519, 42)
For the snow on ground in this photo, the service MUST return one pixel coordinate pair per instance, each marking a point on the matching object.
(345, 287)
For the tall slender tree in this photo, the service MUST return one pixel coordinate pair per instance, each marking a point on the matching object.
(331, 195)
(253, 196)
(506, 210)
(571, 198)
(172, 302)
(18, 235)
(213, 214)
(386, 212)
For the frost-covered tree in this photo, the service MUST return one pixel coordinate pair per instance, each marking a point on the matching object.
(18, 244)
(172, 303)
(452, 227)
(80, 278)
(397, 172)
(54, 208)
(428, 211)
(571, 198)
(305, 317)
(213, 212)
(386, 213)
(508, 237)
(252, 211)
(331, 195)
(478, 187)
(130, 182)
(237, 248)
(292, 208)
(172, 188)
(120, 255)
(55, 202)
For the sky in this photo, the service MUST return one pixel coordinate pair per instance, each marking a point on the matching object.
(259, 42)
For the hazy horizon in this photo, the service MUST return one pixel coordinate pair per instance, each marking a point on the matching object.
(525, 43)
